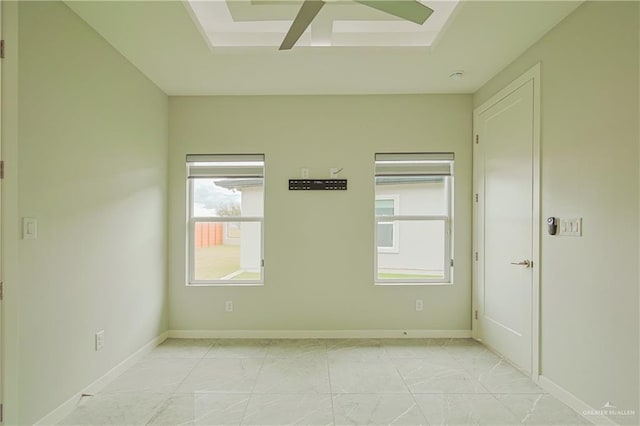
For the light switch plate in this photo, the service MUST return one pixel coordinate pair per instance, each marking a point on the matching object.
(29, 228)
(99, 340)
(570, 227)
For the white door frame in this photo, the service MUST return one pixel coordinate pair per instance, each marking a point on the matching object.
(1, 241)
(9, 239)
(531, 74)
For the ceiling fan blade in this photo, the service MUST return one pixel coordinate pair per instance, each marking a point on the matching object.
(411, 10)
(308, 11)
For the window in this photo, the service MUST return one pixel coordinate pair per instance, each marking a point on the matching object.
(226, 205)
(387, 232)
(413, 218)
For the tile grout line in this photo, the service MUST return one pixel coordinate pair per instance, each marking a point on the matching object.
(156, 409)
(466, 361)
(253, 388)
(333, 409)
(202, 358)
(468, 371)
(413, 396)
(495, 395)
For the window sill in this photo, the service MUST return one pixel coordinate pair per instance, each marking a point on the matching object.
(406, 283)
(226, 284)
(388, 251)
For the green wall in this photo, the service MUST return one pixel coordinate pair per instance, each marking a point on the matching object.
(589, 143)
(319, 246)
(91, 168)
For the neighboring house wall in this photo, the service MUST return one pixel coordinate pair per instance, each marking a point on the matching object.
(420, 245)
(589, 322)
(231, 230)
(250, 232)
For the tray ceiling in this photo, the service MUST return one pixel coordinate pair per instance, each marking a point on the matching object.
(164, 42)
(264, 23)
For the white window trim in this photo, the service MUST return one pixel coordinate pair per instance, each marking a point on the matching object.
(191, 221)
(394, 249)
(448, 266)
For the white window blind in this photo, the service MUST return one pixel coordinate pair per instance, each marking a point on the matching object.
(232, 165)
(408, 164)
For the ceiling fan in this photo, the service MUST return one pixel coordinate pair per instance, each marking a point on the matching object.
(410, 10)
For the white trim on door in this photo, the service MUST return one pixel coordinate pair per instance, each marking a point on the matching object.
(1, 235)
(10, 214)
(532, 74)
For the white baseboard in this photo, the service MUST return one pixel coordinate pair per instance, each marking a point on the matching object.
(574, 402)
(68, 406)
(318, 334)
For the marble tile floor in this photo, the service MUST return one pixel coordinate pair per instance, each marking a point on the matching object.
(322, 382)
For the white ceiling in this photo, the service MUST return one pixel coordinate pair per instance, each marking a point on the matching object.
(162, 40)
(254, 23)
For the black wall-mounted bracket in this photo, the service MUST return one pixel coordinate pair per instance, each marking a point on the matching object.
(317, 184)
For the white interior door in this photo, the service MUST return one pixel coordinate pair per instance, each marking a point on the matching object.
(505, 219)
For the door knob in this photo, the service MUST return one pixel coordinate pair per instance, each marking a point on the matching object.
(528, 263)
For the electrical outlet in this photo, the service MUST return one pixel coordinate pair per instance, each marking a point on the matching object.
(419, 305)
(99, 340)
(304, 173)
(228, 306)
